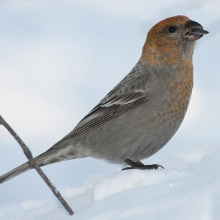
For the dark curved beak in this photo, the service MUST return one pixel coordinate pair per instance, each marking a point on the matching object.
(194, 30)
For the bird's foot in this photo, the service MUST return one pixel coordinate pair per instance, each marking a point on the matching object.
(140, 166)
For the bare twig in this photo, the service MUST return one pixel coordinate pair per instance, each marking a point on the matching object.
(34, 165)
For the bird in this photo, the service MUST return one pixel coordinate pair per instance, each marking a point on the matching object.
(143, 111)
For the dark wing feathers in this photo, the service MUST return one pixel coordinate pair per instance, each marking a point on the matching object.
(107, 110)
(125, 96)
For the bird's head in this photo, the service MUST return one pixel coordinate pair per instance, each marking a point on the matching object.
(172, 40)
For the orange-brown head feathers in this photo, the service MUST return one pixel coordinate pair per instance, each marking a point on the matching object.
(171, 40)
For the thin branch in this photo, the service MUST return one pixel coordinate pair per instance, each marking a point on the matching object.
(33, 164)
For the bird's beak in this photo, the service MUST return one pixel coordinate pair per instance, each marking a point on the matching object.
(198, 31)
(194, 31)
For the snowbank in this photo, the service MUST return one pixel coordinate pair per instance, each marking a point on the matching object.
(188, 188)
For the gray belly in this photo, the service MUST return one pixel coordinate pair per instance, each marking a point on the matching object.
(135, 135)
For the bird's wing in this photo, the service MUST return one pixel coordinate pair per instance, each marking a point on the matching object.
(110, 109)
(106, 111)
(113, 105)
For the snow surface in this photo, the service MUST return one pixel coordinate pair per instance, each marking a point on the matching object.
(188, 188)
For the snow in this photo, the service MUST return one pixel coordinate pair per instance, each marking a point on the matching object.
(188, 188)
(132, 179)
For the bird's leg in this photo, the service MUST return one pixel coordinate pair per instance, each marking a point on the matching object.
(140, 166)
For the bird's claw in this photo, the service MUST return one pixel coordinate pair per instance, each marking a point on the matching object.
(140, 166)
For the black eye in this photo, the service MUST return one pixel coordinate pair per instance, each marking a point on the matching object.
(172, 29)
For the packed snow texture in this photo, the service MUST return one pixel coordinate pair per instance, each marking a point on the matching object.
(188, 188)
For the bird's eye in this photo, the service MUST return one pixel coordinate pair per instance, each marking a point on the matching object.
(172, 29)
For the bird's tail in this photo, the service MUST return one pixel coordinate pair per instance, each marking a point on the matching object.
(18, 170)
(53, 155)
